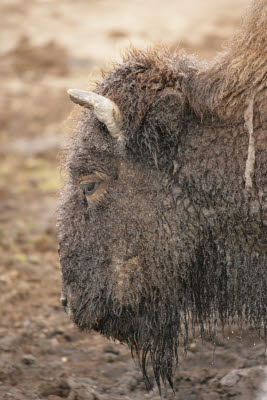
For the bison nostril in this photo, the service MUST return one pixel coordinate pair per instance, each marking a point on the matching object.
(64, 300)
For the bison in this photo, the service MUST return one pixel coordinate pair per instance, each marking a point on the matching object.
(163, 216)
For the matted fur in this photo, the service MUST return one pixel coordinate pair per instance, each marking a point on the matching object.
(177, 243)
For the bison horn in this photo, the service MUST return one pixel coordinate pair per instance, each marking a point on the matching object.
(105, 109)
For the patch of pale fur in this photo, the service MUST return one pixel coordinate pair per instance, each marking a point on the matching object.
(248, 116)
(124, 268)
(251, 146)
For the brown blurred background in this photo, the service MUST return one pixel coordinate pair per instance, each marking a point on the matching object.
(46, 47)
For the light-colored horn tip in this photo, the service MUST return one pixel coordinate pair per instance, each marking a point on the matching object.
(72, 92)
(80, 97)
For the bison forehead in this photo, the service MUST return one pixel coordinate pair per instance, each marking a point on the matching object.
(92, 149)
(92, 135)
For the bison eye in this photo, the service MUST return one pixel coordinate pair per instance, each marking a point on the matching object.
(93, 186)
(89, 188)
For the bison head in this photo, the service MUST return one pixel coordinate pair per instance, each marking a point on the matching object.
(145, 257)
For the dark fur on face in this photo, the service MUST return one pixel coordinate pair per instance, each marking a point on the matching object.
(175, 242)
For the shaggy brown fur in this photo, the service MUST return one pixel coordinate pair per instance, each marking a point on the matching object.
(223, 87)
(177, 240)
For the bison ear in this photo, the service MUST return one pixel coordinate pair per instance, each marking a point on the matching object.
(105, 109)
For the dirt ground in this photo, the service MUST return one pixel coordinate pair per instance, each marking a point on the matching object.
(45, 48)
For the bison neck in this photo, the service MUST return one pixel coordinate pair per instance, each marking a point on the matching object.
(222, 223)
(213, 164)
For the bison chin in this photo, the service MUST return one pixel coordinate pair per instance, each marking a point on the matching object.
(150, 332)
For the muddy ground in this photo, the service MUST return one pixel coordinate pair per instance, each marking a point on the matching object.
(45, 48)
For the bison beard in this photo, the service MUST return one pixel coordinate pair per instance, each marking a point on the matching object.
(174, 243)
(163, 319)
